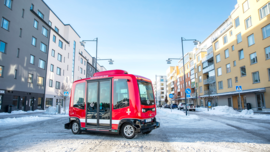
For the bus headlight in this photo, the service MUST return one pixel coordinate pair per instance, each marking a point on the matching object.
(143, 110)
(153, 109)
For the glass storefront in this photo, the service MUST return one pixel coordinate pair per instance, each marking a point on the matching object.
(49, 102)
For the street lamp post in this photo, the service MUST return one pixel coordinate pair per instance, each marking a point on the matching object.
(96, 40)
(169, 61)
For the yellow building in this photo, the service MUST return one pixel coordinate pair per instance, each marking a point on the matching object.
(241, 56)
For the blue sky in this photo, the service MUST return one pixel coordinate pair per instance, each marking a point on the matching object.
(139, 35)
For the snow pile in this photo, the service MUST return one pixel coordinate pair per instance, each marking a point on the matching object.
(54, 111)
(224, 109)
(22, 120)
(176, 114)
(246, 112)
(20, 112)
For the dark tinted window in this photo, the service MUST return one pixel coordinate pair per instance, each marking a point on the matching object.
(146, 93)
(120, 94)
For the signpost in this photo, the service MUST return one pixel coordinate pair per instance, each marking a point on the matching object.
(188, 92)
(239, 89)
(66, 93)
(171, 96)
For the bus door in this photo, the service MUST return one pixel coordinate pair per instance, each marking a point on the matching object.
(98, 107)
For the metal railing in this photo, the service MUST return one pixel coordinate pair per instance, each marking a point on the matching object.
(193, 94)
(209, 68)
(192, 85)
(209, 80)
(208, 92)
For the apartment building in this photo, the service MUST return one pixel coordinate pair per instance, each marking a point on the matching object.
(24, 41)
(170, 83)
(160, 89)
(40, 56)
(237, 53)
(241, 55)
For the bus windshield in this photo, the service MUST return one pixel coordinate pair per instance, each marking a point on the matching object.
(146, 93)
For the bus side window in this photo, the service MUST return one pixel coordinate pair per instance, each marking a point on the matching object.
(79, 94)
(120, 94)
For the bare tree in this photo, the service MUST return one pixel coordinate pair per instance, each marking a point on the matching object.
(60, 93)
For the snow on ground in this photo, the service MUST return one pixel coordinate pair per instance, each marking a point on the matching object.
(176, 114)
(21, 121)
(54, 111)
(229, 111)
(20, 112)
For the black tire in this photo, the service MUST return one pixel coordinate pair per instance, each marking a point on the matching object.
(128, 131)
(148, 132)
(75, 128)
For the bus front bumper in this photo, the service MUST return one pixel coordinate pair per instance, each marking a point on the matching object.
(147, 128)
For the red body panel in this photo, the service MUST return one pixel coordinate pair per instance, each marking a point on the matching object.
(134, 107)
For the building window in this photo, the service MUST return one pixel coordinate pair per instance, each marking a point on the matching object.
(268, 74)
(248, 22)
(81, 70)
(32, 59)
(243, 71)
(201, 89)
(81, 61)
(231, 33)
(196, 75)
(36, 24)
(3, 47)
(225, 39)
(218, 58)
(58, 71)
(50, 83)
(253, 58)
(220, 85)
(30, 78)
(54, 38)
(239, 38)
(84, 72)
(59, 57)
(265, 10)
(57, 85)
(41, 64)
(8, 3)
(266, 31)
(34, 41)
(267, 52)
(219, 71)
(245, 6)
(18, 53)
(60, 44)
(228, 68)
(236, 79)
(15, 74)
(20, 32)
(43, 47)
(256, 77)
(49, 102)
(237, 22)
(1, 71)
(241, 54)
(53, 53)
(52, 67)
(40, 81)
(198, 58)
(50, 23)
(200, 79)
(44, 31)
(40, 14)
(251, 40)
(216, 45)
(56, 29)
(5, 24)
(226, 53)
(199, 68)
(32, 7)
(229, 83)
(234, 63)
(232, 47)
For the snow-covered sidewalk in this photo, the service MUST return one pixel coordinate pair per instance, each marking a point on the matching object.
(230, 112)
(20, 112)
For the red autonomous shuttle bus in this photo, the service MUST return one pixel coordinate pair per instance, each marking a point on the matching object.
(113, 101)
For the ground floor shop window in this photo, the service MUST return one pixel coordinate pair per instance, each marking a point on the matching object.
(39, 102)
(1, 97)
(49, 102)
(15, 101)
(260, 101)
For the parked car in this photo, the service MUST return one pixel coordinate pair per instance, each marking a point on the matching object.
(190, 107)
(167, 106)
(181, 106)
(174, 106)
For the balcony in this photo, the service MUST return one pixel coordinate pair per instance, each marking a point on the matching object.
(178, 90)
(192, 76)
(209, 68)
(193, 95)
(208, 92)
(209, 80)
(192, 85)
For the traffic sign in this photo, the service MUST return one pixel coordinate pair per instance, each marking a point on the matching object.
(188, 91)
(66, 93)
(188, 95)
(171, 96)
(238, 88)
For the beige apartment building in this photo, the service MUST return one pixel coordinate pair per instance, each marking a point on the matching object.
(237, 53)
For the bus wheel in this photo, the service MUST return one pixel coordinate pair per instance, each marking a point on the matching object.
(128, 131)
(75, 128)
(148, 132)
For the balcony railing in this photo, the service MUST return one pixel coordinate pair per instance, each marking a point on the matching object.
(192, 76)
(209, 68)
(209, 80)
(192, 85)
(193, 95)
(178, 90)
(208, 92)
